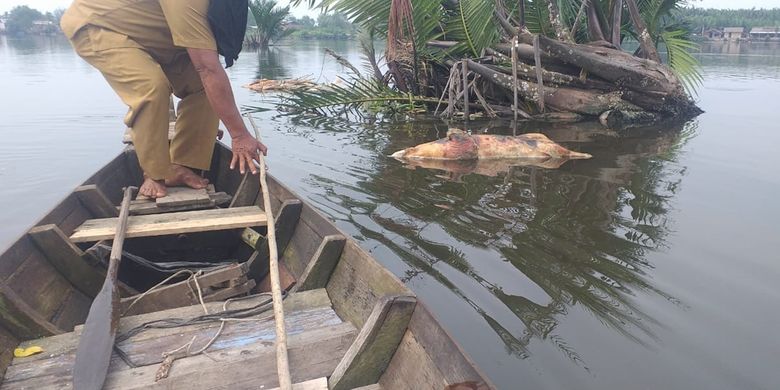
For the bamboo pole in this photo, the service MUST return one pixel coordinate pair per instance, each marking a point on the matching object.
(465, 69)
(282, 364)
(514, 75)
(538, 66)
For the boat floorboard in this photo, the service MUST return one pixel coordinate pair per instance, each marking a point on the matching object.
(243, 356)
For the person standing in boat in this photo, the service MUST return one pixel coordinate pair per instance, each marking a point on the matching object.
(148, 49)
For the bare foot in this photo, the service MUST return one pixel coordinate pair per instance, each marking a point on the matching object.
(185, 176)
(153, 188)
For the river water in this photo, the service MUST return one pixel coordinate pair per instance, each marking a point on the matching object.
(653, 265)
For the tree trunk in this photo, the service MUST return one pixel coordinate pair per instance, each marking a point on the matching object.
(621, 68)
(594, 27)
(645, 41)
(617, 17)
(561, 99)
(555, 19)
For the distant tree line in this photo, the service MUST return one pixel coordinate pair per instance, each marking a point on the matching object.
(699, 19)
(327, 26)
(25, 20)
(269, 23)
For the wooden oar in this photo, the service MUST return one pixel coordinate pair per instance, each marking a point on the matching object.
(97, 341)
(282, 365)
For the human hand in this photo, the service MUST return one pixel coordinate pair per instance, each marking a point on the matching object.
(245, 148)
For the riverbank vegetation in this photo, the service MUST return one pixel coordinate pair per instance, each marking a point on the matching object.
(532, 59)
(269, 23)
(266, 23)
(328, 26)
(699, 19)
(25, 20)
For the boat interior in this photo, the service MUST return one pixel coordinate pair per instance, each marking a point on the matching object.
(194, 294)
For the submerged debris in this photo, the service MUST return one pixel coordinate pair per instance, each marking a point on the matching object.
(287, 85)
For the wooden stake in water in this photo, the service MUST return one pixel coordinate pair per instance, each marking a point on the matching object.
(282, 364)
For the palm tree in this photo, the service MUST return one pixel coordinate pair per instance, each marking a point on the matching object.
(269, 22)
(562, 62)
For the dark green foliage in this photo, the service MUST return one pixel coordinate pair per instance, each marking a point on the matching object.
(701, 18)
(21, 18)
(269, 22)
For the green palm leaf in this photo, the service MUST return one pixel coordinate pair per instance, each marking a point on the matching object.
(682, 62)
(359, 94)
(473, 26)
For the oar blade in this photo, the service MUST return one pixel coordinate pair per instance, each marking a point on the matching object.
(96, 344)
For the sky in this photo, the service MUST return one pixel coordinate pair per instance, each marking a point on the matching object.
(50, 5)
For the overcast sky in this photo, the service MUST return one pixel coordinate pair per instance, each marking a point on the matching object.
(49, 5)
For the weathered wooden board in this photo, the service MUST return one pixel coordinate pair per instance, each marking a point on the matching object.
(368, 357)
(22, 319)
(411, 365)
(301, 248)
(182, 293)
(247, 191)
(94, 200)
(7, 344)
(285, 222)
(444, 353)
(286, 280)
(68, 259)
(149, 206)
(62, 344)
(72, 311)
(322, 264)
(358, 282)
(375, 386)
(314, 384)
(40, 286)
(244, 353)
(172, 223)
(184, 196)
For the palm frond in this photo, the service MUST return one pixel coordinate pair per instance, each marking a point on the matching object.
(360, 94)
(269, 20)
(474, 26)
(682, 62)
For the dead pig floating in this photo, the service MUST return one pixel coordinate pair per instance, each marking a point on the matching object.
(526, 149)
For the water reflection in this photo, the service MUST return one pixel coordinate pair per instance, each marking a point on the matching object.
(271, 63)
(580, 233)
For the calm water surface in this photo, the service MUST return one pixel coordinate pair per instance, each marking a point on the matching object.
(652, 266)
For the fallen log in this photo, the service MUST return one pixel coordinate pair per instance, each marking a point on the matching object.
(618, 67)
(562, 99)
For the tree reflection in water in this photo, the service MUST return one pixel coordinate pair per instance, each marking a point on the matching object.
(580, 232)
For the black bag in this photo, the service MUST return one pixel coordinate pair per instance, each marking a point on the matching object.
(228, 24)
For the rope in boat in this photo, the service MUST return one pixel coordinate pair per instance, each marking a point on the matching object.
(223, 317)
(101, 251)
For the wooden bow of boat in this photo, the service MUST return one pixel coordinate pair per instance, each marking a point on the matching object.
(350, 322)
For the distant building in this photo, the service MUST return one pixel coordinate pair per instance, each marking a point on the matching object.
(2, 25)
(712, 33)
(43, 27)
(733, 33)
(765, 32)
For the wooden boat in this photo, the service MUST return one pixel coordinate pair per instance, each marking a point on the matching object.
(351, 323)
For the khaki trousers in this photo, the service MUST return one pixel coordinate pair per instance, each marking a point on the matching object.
(144, 79)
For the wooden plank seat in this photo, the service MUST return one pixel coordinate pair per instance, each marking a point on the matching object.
(172, 223)
(241, 357)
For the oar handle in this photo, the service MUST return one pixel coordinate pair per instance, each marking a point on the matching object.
(121, 230)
